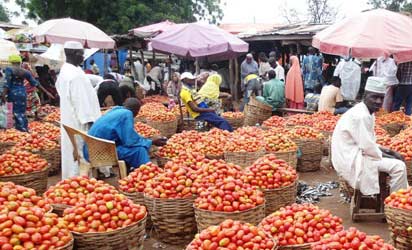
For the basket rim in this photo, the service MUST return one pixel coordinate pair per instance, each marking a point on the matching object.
(234, 212)
(262, 150)
(298, 245)
(169, 199)
(128, 193)
(71, 242)
(281, 188)
(148, 120)
(110, 232)
(283, 152)
(396, 208)
(34, 172)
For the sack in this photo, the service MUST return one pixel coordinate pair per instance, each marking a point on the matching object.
(6, 115)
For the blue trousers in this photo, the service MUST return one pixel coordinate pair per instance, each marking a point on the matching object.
(403, 93)
(215, 120)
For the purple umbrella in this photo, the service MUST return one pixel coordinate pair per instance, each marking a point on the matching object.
(195, 40)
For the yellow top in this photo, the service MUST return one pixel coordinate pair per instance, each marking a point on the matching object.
(186, 96)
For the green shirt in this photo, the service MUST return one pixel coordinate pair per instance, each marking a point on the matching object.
(274, 93)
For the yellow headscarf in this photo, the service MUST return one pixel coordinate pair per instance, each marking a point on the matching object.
(211, 88)
(15, 59)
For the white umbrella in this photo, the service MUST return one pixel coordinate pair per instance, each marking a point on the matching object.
(7, 48)
(67, 29)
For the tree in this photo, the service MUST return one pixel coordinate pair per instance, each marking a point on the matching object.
(291, 15)
(4, 16)
(121, 15)
(393, 5)
(320, 11)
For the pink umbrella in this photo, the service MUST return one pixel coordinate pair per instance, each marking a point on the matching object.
(153, 29)
(67, 29)
(369, 34)
(198, 40)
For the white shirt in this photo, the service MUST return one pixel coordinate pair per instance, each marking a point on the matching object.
(79, 106)
(350, 74)
(387, 69)
(280, 72)
(139, 71)
(94, 79)
(354, 149)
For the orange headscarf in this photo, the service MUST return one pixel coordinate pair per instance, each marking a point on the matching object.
(294, 83)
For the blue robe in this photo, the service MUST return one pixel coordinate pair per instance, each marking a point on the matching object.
(118, 125)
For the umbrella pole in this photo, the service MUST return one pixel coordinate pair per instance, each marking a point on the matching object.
(236, 79)
(142, 56)
(131, 62)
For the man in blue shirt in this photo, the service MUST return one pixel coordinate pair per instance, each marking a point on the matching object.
(118, 125)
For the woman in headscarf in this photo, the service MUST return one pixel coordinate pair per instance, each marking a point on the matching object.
(174, 86)
(294, 85)
(33, 99)
(210, 93)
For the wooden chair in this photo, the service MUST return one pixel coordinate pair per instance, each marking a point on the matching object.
(102, 153)
(361, 202)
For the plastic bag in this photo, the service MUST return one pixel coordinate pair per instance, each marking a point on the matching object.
(6, 115)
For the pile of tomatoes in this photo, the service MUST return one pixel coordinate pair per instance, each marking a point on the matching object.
(16, 162)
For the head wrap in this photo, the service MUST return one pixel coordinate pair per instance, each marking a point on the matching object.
(211, 88)
(73, 45)
(376, 85)
(15, 59)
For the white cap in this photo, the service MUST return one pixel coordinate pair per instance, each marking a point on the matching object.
(73, 45)
(376, 85)
(249, 55)
(187, 75)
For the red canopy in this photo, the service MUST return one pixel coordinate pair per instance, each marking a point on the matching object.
(153, 29)
(369, 34)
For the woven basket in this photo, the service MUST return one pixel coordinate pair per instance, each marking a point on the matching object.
(280, 197)
(235, 122)
(256, 114)
(399, 220)
(312, 152)
(215, 157)
(243, 159)
(393, 128)
(140, 119)
(307, 246)
(173, 219)
(36, 180)
(54, 158)
(68, 246)
(290, 157)
(59, 208)
(138, 198)
(166, 128)
(206, 218)
(129, 238)
(4, 146)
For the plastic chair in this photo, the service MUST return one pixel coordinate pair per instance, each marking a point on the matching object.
(102, 153)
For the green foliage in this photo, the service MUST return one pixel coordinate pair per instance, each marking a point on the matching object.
(4, 16)
(118, 16)
(393, 5)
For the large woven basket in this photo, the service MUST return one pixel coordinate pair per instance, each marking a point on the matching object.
(243, 159)
(206, 218)
(54, 158)
(166, 128)
(138, 198)
(290, 157)
(235, 122)
(280, 197)
(36, 180)
(4, 146)
(256, 114)
(59, 208)
(307, 246)
(173, 219)
(399, 220)
(393, 128)
(128, 238)
(68, 246)
(312, 152)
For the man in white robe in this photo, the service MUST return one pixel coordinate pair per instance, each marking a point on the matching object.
(79, 105)
(355, 154)
(350, 74)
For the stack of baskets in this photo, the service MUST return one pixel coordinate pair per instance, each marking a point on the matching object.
(280, 197)
(243, 159)
(36, 180)
(256, 112)
(173, 219)
(130, 237)
(206, 218)
(399, 221)
(312, 152)
(166, 128)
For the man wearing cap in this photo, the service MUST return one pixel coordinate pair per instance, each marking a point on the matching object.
(79, 105)
(355, 154)
(199, 110)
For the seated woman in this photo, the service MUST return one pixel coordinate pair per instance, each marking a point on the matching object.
(210, 93)
(174, 86)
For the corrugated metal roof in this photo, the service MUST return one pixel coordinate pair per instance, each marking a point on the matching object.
(7, 26)
(292, 29)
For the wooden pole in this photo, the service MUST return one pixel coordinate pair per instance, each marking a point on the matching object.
(131, 61)
(236, 79)
(142, 56)
(231, 78)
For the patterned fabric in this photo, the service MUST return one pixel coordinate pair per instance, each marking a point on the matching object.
(312, 71)
(405, 73)
(33, 102)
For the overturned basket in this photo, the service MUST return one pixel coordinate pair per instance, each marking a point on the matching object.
(399, 221)
(243, 159)
(256, 112)
(206, 218)
(167, 129)
(312, 153)
(280, 197)
(36, 180)
(173, 219)
(130, 237)
(290, 157)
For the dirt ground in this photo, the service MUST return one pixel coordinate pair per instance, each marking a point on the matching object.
(333, 203)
